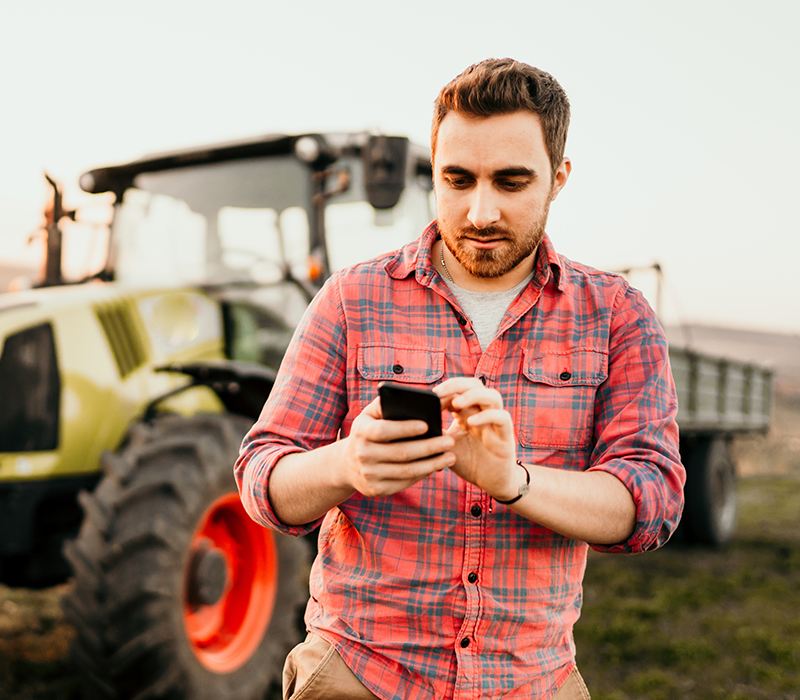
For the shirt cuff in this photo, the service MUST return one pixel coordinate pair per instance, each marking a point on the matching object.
(254, 491)
(658, 509)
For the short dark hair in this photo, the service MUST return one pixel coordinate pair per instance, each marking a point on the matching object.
(501, 86)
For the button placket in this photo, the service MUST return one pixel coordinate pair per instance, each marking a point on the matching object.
(477, 510)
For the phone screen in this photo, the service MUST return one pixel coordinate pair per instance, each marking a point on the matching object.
(399, 402)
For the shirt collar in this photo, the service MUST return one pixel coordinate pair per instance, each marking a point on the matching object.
(548, 265)
(416, 258)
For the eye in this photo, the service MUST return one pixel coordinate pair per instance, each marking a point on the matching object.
(513, 185)
(459, 183)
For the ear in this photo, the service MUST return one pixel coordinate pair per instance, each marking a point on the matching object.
(562, 175)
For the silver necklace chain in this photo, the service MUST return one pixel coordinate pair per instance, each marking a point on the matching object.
(446, 271)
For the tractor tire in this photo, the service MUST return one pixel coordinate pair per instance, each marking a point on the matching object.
(178, 594)
(711, 504)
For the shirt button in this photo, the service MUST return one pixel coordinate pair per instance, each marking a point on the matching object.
(564, 376)
(472, 577)
(464, 642)
(398, 369)
(476, 511)
(462, 320)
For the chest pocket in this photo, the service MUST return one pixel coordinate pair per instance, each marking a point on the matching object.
(400, 363)
(556, 405)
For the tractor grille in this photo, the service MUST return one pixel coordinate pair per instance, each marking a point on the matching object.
(117, 320)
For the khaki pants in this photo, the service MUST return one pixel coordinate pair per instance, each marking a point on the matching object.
(315, 671)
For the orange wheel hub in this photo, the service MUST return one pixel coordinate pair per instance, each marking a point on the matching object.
(231, 579)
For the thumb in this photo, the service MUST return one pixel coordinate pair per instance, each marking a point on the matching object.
(373, 409)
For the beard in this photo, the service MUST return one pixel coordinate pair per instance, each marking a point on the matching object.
(490, 264)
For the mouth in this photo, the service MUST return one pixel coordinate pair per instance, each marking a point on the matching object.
(484, 243)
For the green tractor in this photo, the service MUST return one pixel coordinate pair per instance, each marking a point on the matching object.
(125, 397)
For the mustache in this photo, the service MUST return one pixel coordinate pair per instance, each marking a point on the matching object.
(483, 233)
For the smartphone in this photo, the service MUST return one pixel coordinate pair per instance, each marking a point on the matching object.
(400, 402)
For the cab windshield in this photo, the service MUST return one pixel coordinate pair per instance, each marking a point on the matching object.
(249, 221)
(214, 224)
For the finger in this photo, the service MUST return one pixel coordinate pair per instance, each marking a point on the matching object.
(462, 416)
(420, 468)
(456, 385)
(370, 425)
(457, 429)
(386, 479)
(479, 397)
(381, 432)
(393, 430)
(498, 419)
(412, 450)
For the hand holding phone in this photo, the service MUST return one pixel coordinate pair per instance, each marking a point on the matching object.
(400, 402)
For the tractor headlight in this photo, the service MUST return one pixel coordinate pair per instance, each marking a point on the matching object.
(29, 391)
(307, 149)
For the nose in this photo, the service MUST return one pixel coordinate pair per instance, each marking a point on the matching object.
(484, 210)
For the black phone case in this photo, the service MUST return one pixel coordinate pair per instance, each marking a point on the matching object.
(399, 402)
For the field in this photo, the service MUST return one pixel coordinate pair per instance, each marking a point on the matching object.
(676, 624)
(681, 624)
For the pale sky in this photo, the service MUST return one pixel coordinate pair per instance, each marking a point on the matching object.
(685, 134)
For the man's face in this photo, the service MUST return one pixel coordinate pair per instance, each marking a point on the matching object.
(493, 190)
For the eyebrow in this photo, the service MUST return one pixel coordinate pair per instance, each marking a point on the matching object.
(514, 171)
(518, 171)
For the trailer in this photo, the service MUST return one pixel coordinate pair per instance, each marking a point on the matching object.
(718, 399)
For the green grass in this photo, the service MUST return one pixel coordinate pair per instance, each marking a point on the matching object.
(686, 623)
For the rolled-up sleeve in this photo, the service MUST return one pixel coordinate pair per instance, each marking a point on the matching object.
(305, 408)
(636, 436)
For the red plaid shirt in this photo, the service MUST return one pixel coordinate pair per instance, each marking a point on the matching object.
(439, 591)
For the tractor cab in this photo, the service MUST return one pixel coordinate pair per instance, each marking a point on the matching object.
(260, 211)
(262, 223)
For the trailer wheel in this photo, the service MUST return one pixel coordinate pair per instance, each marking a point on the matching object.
(711, 503)
(178, 593)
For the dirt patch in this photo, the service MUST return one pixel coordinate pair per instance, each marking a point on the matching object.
(34, 644)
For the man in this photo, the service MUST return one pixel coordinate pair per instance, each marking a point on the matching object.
(451, 567)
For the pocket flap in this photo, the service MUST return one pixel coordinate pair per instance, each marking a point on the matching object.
(400, 363)
(573, 368)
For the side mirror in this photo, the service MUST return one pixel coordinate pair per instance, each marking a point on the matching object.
(384, 160)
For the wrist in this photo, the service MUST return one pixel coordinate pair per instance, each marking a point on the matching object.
(523, 486)
(341, 460)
